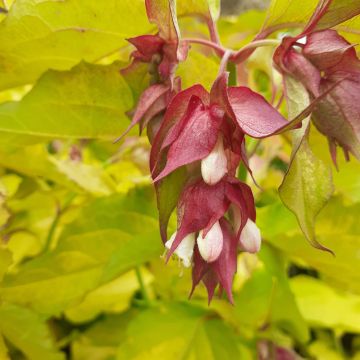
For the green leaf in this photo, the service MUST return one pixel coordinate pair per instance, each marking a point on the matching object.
(91, 178)
(107, 240)
(5, 261)
(3, 349)
(288, 12)
(307, 185)
(206, 8)
(337, 228)
(192, 70)
(26, 331)
(322, 351)
(339, 311)
(337, 12)
(87, 102)
(101, 340)
(266, 299)
(178, 331)
(37, 163)
(112, 297)
(40, 35)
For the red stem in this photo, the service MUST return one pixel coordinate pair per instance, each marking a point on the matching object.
(220, 50)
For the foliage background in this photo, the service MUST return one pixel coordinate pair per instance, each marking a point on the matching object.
(80, 264)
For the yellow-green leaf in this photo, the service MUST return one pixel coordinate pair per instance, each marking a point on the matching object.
(88, 101)
(39, 35)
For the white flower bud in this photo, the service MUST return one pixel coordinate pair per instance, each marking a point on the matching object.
(185, 249)
(214, 166)
(250, 238)
(211, 245)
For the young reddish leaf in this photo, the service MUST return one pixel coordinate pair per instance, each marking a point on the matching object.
(338, 115)
(197, 136)
(325, 48)
(147, 46)
(200, 206)
(225, 266)
(301, 68)
(175, 111)
(255, 116)
(148, 98)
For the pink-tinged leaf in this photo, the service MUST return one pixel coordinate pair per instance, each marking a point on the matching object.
(307, 185)
(285, 354)
(301, 68)
(147, 46)
(149, 97)
(338, 115)
(200, 206)
(225, 266)
(163, 14)
(175, 111)
(199, 269)
(219, 93)
(199, 131)
(210, 281)
(325, 49)
(255, 116)
(242, 197)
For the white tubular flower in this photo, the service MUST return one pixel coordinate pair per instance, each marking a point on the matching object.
(214, 166)
(185, 249)
(250, 238)
(211, 245)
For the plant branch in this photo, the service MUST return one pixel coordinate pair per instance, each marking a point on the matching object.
(220, 50)
(238, 57)
(143, 289)
(55, 221)
(235, 56)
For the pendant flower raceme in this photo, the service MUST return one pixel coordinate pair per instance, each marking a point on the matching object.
(320, 60)
(162, 52)
(203, 133)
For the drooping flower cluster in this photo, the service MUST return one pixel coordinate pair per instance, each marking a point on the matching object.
(319, 59)
(162, 52)
(198, 138)
(203, 133)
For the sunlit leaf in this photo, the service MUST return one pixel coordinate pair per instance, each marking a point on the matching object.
(339, 311)
(113, 297)
(87, 102)
(266, 299)
(337, 228)
(206, 8)
(40, 35)
(307, 186)
(5, 261)
(28, 332)
(192, 72)
(178, 331)
(106, 241)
